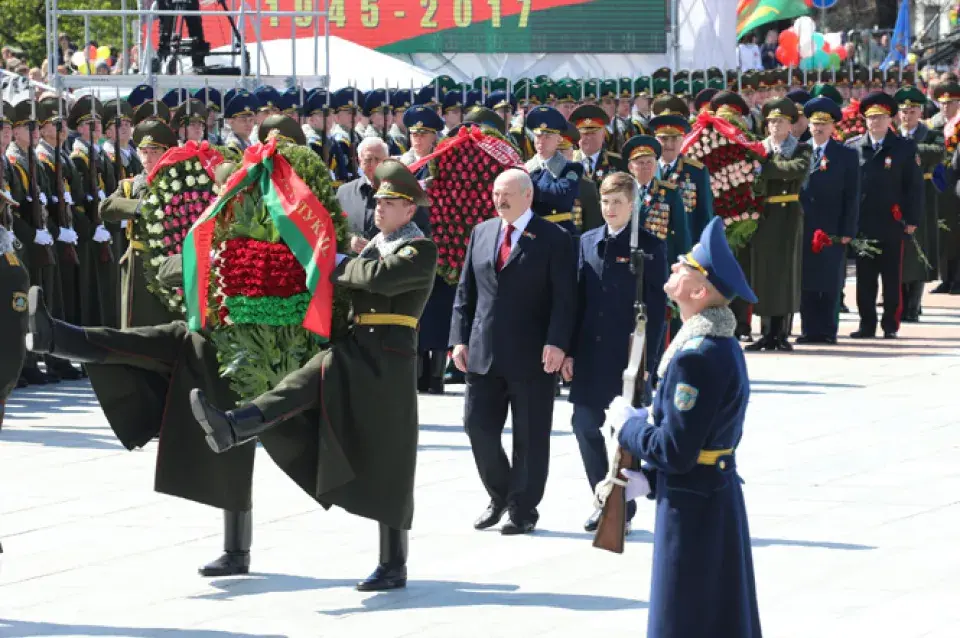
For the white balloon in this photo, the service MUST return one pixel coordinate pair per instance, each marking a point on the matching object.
(805, 46)
(804, 26)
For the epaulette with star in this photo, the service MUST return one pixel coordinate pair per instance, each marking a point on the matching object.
(667, 184)
(692, 162)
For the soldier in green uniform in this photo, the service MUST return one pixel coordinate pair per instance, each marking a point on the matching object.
(587, 213)
(53, 159)
(947, 95)
(139, 306)
(188, 120)
(98, 268)
(319, 423)
(776, 248)
(930, 151)
(118, 123)
(14, 282)
(31, 223)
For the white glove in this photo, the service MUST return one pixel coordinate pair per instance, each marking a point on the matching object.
(43, 198)
(67, 197)
(67, 236)
(123, 223)
(637, 484)
(619, 412)
(43, 238)
(101, 195)
(101, 235)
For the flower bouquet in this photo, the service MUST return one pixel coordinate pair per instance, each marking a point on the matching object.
(897, 213)
(257, 267)
(179, 189)
(863, 247)
(733, 159)
(463, 169)
(852, 124)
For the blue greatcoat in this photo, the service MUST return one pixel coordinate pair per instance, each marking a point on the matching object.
(693, 181)
(605, 315)
(831, 203)
(556, 194)
(702, 578)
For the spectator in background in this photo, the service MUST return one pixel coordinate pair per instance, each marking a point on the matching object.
(11, 64)
(66, 49)
(35, 74)
(750, 54)
(103, 68)
(768, 52)
(6, 53)
(22, 70)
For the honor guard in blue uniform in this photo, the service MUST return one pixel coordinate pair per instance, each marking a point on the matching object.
(473, 100)
(316, 115)
(831, 203)
(430, 96)
(891, 204)
(175, 97)
(140, 94)
(661, 206)
(423, 124)
(376, 106)
(688, 175)
(290, 102)
(702, 581)
(605, 321)
(591, 121)
(400, 101)
(270, 102)
(505, 106)
(930, 153)
(239, 114)
(556, 181)
(343, 110)
(214, 103)
(453, 111)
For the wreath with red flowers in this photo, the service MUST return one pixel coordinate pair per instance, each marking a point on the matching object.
(462, 171)
(258, 290)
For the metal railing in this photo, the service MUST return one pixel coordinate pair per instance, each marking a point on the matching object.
(144, 21)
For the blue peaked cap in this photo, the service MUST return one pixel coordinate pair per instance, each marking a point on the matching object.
(712, 256)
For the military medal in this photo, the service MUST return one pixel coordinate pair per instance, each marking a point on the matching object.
(823, 163)
(887, 162)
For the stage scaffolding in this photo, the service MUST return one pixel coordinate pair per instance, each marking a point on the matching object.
(139, 25)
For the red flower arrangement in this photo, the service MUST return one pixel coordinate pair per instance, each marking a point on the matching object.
(463, 170)
(897, 214)
(732, 159)
(852, 124)
(863, 247)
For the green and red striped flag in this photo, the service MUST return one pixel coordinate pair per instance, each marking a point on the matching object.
(303, 222)
(756, 13)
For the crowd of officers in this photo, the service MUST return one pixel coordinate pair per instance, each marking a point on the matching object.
(61, 165)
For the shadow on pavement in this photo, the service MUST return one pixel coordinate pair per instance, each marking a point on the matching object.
(25, 629)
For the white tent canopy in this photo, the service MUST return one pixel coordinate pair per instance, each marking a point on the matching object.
(350, 63)
(705, 36)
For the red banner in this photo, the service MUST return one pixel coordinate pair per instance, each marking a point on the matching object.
(203, 152)
(725, 128)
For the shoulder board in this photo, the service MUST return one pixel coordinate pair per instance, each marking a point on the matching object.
(614, 155)
(667, 184)
(689, 161)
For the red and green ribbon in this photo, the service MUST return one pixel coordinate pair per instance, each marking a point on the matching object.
(303, 222)
(208, 157)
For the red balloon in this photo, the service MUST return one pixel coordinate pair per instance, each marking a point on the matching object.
(842, 52)
(789, 39)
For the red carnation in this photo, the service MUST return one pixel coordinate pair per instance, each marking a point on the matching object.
(897, 212)
(821, 240)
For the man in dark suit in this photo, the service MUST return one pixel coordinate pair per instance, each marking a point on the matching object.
(891, 188)
(831, 200)
(512, 324)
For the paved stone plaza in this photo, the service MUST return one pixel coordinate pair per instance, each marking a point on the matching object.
(851, 458)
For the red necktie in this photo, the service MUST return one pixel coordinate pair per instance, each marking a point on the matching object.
(504, 252)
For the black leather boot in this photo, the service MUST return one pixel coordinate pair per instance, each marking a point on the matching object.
(780, 331)
(51, 336)
(225, 430)
(391, 573)
(237, 537)
(423, 371)
(436, 369)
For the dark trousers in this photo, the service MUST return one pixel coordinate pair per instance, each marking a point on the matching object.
(887, 266)
(520, 486)
(742, 311)
(587, 422)
(818, 313)
(912, 293)
(46, 278)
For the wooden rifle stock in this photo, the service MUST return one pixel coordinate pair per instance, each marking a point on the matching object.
(42, 255)
(68, 252)
(611, 533)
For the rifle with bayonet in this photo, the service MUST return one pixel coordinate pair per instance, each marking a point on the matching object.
(93, 198)
(41, 255)
(68, 251)
(611, 531)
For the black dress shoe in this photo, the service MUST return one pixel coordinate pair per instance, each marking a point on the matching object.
(782, 345)
(804, 339)
(490, 517)
(863, 334)
(33, 376)
(889, 334)
(763, 343)
(230, 564)
(22, 382)
(745, 338)
(843, 308)
(942, 289)
(385, 578)
(593, 522)
(435, 386)
(911, 318)
(513, 528)
(831, 341)
(225, 430)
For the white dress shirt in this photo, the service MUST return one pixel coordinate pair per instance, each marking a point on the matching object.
(518, 227)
